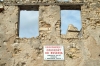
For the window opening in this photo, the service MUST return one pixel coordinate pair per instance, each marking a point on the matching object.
(70, 17)
(28, 25)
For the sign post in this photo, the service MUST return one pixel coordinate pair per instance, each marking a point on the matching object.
(53, 52)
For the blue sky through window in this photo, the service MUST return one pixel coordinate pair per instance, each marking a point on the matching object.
(70, 17)
(29, 26)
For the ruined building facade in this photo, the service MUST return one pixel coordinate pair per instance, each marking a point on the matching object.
(81, 48)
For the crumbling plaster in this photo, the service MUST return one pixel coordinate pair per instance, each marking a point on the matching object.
(81, 50)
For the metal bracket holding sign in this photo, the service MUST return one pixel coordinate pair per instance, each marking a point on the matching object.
(53, 52)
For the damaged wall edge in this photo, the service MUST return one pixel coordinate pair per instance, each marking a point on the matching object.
(1, 6)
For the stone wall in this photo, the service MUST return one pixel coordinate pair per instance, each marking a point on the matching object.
(91, 27)
(39, 1)
(81, 47)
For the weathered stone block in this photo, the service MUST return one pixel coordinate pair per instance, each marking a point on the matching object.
(72, 35)
(43, 29)
(71, 28)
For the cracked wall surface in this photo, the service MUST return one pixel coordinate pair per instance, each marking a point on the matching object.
(82, 48)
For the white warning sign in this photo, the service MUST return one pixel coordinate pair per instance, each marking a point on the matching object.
(53, 52)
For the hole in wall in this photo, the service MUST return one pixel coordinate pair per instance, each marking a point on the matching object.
(28, 25)
(99, 55)
(70, 17)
